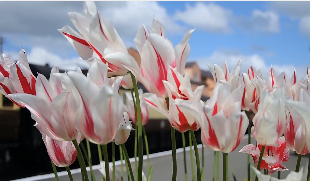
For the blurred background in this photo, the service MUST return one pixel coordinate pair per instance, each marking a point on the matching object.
(260, 33)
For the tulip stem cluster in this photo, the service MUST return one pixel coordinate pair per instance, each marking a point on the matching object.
(106, 161)
(81, 161)
(140, 140)
(196, 156)
(127, 162)
(121, 158)
(113, 160)
(93, 178)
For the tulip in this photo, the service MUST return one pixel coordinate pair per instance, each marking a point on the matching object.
(123, 130)
(101, 111)
(292, 176)
(297, 133)
(62, 153)
(270, 120)
(131, 108)
(223, 73)
(275, 81)
(16, 77)
(224, 124)
(157, 54)
(53, 108)
(251, 94)
(272, 157)
(184, 105)
(97, 37)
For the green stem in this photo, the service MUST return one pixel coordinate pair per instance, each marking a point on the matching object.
(260, 160)
(173, 146)
(192, 158)
(136, 134)
(203, 161)
(265, 171)
(279, 174)
(88, 159)
(100, 158)
(225, 166)
(128, 162)
(184, 156)
(140, 140)
(55, 171)
(147, 148)
(99, 153)
(218, 166)
(196, 155)
(81, 161)
(121, 156)
(93, 178)
(298, 163)
(127, 168)
(106, 162)
(113, 160)
(69, 173)
(249, 157)
(214, 162)
(174, 156)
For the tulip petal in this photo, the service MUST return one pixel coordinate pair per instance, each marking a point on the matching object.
(81, 46)
(182, 51)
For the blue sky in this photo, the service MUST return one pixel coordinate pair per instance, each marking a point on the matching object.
(261, 33)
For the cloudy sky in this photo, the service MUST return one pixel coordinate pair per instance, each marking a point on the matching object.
(261, 33)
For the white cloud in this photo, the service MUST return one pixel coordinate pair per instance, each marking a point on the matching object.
(254, 60)
(295, 10)
(304, 25)
(40, 56)
(128, 18)
(267, 22)
(209, 17)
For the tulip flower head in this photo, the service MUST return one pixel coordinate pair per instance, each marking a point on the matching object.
(273, 156)
(97, 37)
(297, 130)
(157, 55)
(270, 120)
(224, 124)
(100, 112)
(53, 108)
(16, 77)
(184, 109)
(223, 74)
(62, 153)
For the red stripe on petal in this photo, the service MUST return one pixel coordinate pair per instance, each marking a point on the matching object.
(102, 29)
(212, 140)
(252, 70)
(79, 40)
(4, 72)
(5, 88)
(162, 72)
(290, 132)
(60, 157)
(272, 79)
(214, 109)
(23, 81)
(243, 98)
(46, 91)
(184, 125)
(150, 102)
(239, 134)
